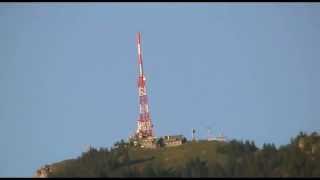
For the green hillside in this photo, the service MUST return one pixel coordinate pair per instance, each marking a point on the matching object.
(198, 159)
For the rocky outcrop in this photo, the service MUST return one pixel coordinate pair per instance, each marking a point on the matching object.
(43, 172)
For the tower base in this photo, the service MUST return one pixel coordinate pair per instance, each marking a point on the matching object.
(144, 142)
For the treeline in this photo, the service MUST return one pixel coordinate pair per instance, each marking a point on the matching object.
(300, 158)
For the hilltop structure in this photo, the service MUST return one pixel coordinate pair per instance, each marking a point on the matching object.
(144, 135)
(144, 124)
(176, 140)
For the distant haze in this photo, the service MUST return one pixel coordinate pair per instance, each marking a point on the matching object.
(68, 74)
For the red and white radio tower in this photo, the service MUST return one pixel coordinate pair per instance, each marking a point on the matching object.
(145, 126)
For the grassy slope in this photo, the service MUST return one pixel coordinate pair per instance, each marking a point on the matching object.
(288, 159)
(177, 156)
(169, 157)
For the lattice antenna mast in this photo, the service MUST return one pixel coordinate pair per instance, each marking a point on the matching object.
(145, 126)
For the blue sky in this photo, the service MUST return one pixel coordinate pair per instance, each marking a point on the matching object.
(68, 74)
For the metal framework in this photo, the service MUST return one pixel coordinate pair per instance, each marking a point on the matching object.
(144, 123)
